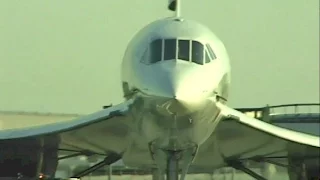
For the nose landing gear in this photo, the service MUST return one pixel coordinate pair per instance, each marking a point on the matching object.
(174, 162)
(173, 165)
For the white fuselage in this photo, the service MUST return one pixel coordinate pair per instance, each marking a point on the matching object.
(174, 89)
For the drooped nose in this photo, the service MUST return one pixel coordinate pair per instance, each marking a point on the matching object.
(183, 88)
(174, 79)
(185, 82)
(187, 90)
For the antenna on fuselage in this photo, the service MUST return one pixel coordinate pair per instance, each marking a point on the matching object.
(174, 5)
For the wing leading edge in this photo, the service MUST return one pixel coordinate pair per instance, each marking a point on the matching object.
(251, 138)
(239, 137)
(95, 132)
(283, 133)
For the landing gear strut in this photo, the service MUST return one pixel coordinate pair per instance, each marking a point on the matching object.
(107, 161)
(173, 165)
(239, 166)
(174, 162)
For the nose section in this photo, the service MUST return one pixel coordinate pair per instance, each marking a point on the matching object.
(185, 83)
(186, 92)
(185, 87)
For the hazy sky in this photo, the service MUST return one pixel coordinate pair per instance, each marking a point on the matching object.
(65, 56)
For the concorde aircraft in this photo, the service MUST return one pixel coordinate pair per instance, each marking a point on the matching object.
(175, 79)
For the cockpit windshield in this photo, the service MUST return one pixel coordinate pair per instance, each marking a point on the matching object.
(179, 49)
(184, 50)
(170, 46)
(197, 52)
(155, 51)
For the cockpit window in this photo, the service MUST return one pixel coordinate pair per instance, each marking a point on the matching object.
(155, 51)
(170, 46)
(182, 49)
(207, 58)
(197, 52)
(213, 56)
